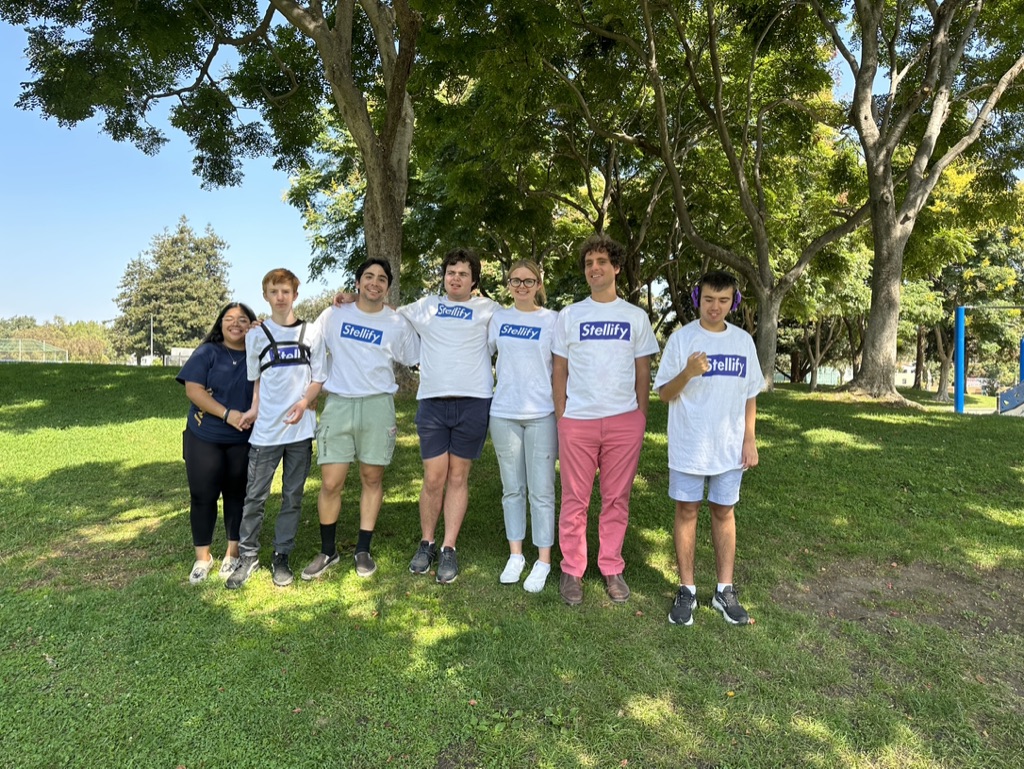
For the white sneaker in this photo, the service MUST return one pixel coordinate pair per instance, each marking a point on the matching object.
(538, 577)
(228, 565)
(513, 570)
(200, 571)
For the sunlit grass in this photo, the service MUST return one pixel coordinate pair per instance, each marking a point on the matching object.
(111, 659)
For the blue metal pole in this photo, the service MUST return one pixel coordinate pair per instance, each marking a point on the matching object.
(959, 382)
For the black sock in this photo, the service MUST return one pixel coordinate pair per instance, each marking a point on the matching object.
(327, 536)
(363, 543)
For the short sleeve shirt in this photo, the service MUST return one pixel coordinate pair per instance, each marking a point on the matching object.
(362, 347)
(454, 356)
(601, 341)
(222, 373)
(523, 343)
(707, 420)
(283, 385)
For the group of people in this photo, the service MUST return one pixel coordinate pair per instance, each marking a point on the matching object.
(572, 386)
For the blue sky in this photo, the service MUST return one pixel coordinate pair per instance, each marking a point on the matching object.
(77, 206)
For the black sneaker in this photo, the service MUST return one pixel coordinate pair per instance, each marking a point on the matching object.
(727, 603)
(281, 571)
(319, 565)
(447, 566)
(425, 555)
(682, 607)
(247, 565)
(365, 565)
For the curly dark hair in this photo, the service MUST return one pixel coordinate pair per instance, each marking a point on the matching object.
(599, 241)
(467, 255)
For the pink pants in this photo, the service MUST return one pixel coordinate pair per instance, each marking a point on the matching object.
(611, 445)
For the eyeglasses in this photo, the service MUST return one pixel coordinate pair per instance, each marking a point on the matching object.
(528, 282)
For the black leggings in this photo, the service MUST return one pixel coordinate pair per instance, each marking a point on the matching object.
(215, 469)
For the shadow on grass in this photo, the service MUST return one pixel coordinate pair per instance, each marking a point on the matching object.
(57, 397)
(143, 669)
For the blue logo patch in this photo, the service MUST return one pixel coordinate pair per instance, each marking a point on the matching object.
(519, 332)
(727, 365)
(286, 353)
(361, 333)
(615, 330)
(450, 311)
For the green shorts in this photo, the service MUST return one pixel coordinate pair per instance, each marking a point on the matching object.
(357, 428)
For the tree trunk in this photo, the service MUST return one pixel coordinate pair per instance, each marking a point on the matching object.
(945, 364)
(877, 375)
(382, 219)
(919, 360)
(768, 336)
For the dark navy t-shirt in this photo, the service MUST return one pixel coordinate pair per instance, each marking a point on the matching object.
(222, 372)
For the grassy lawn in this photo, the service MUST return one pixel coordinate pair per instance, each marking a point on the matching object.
(880, 552)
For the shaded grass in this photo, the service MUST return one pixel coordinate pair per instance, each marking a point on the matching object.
(110, 658)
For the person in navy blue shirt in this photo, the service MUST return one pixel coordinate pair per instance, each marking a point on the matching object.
(215, 444)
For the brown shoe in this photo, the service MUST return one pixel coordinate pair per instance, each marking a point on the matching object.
(617, 588)
(571, 589)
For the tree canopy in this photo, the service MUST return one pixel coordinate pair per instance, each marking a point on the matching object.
(695, 133)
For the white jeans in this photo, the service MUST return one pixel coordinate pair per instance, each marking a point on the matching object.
(527, 450)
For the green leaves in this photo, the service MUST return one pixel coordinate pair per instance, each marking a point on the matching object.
(174, 291)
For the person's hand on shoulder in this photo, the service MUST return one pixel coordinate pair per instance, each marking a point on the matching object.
(343, 297)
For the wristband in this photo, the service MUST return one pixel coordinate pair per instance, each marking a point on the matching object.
(226, 412)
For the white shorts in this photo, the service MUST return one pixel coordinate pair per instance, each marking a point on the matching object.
(723, 489)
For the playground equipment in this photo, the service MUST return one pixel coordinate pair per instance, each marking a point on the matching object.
(1009, 402)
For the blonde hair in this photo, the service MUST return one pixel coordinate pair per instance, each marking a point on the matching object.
(533, 267)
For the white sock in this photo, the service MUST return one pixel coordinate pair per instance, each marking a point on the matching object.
(723, 585)
(692, 589)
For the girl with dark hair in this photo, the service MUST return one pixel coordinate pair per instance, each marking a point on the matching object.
(215, 444)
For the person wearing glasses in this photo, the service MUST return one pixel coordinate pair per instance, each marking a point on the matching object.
(215, 444)
(523, 422)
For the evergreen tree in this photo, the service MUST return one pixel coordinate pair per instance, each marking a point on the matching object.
(171, 293)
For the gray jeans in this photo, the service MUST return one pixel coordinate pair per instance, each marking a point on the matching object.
(527, 450)
(263, 462)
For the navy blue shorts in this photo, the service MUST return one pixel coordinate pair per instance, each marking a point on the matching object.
(456, 426)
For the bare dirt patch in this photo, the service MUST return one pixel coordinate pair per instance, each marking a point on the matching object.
(977, 603)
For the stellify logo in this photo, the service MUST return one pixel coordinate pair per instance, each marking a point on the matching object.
(450, 311)
(519, 332)
(615, 330)
(286, 353)
(361, 334)
(727, 365)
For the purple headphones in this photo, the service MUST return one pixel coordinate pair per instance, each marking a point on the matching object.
(736, 297)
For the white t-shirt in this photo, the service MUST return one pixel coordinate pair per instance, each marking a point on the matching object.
(601, 341)
(283, 385)
(362, 348)
(523, 343)
(707, 419)
(454, 357)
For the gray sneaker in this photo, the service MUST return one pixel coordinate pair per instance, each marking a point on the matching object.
(246, 566)
(447, 566)
(727, 603)
(365, 565)
(319, 565)
(280, 571)
(682, 607)
(425, 554)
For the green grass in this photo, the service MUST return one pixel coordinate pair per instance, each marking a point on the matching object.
(880, 552)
